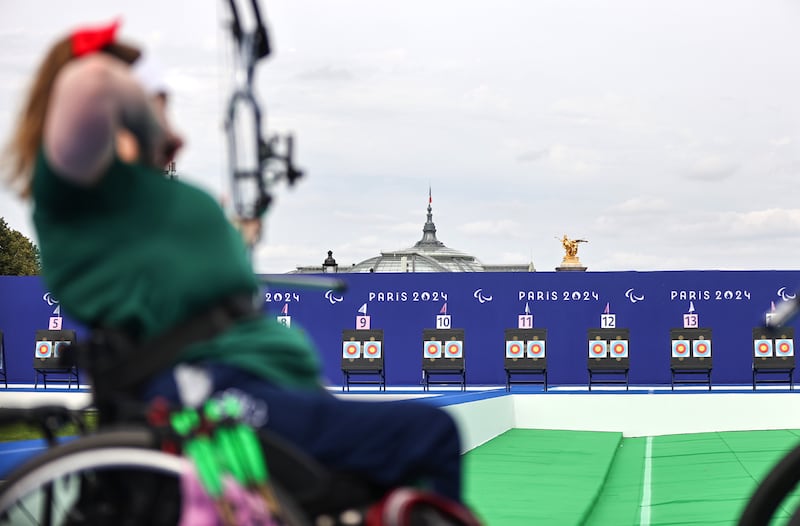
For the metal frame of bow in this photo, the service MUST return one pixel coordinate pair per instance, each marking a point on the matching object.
(256, 163)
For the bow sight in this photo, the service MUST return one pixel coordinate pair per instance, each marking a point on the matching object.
(255, 163)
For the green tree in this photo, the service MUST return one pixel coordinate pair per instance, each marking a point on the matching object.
(18, 255)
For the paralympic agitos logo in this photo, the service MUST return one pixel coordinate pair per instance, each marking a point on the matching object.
(481, 297)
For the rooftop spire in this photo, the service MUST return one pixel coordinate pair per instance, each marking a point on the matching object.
(429, 230)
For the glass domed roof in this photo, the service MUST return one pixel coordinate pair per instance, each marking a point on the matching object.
(427, 255)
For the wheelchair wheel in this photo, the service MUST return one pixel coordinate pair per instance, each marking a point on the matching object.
(114, 478)
(774, 488)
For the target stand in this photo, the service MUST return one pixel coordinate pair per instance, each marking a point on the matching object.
(443, 355)
(773, 356)
(690, 362)
(46, 359)
(525, 355)
(608, 361)
(362, 355)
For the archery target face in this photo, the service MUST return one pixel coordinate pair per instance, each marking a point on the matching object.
(432, 349)
(784, 347)
(619, 348)
(44, 349)
(372, 349)
(701, 348)
(680, 348)
(762, 348)
(351, 349)
(514, 349)
(535, 349)
(454, 349)
(598, 348)
(58, 347)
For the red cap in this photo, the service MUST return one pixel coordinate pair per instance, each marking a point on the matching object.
(91, 40)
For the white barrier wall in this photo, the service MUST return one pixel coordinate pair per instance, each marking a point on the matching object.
(482, 420)
(658, 414)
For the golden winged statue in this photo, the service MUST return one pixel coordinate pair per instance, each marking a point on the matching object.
(571, 246)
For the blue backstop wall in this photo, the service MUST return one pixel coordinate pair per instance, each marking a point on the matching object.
(649, 304)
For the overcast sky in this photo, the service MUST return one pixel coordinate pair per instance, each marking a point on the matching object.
(666, 133)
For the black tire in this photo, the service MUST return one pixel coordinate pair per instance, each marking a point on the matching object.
(774, 488)
(113, 477)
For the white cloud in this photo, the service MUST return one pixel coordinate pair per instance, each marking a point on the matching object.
(765, 224)
(485, 98)
(712, 168)
(642, 205)
(503, 227)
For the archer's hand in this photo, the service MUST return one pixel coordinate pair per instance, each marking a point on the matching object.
(251, 230)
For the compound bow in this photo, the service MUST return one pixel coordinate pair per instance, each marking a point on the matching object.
(257, 163)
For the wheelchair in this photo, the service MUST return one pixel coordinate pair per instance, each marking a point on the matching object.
(123, 475)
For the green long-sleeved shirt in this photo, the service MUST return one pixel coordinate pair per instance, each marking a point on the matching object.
(142, 252)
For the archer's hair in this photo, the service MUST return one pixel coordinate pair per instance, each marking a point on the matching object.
(23, 146)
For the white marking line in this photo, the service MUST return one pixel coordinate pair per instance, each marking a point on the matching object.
(644, 515)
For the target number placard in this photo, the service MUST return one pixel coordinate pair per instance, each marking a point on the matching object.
(525, 321)
(608, 321)
(691, 321)
(286, 321)
(55, 323)
(362, 322)
(443, 321)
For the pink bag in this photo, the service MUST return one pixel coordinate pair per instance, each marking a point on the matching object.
(199, 509)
